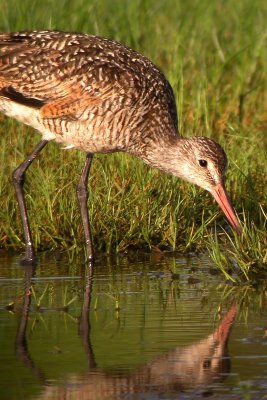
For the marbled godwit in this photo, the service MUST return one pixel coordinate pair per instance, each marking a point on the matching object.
(99, 96)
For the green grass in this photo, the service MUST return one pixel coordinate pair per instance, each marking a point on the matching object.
(214, 54)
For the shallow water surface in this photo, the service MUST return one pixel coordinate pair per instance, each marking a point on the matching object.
(136, 327)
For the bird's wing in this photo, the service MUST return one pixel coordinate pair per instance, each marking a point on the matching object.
(58, 74)
(65, 74)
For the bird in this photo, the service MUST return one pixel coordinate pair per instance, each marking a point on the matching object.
(97, 95)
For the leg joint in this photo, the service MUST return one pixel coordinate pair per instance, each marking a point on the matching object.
(82, 190)
(18, 176)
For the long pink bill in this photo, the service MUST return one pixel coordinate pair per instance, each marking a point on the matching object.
(222, 198)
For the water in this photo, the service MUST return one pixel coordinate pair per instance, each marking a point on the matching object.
(139, 327)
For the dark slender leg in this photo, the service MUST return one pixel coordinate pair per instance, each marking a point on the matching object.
(18, 181)
(82, 192)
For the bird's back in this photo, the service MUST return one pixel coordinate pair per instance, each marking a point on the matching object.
(86, 91)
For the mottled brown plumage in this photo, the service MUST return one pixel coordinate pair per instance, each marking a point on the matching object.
(91, 93)
(97, 95)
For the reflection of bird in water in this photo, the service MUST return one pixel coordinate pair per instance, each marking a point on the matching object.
(196, 366)
(98, 96)
(199, 364)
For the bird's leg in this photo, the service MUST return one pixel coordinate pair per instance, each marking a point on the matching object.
(18, 181)
(82, 192)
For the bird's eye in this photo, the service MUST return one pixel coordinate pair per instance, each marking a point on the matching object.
(203, 163)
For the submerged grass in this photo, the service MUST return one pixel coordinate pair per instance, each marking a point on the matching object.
(242, 258)
(218, 69)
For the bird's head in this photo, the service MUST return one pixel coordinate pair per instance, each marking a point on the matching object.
(205, 166)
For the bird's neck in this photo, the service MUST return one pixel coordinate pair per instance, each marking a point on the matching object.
(166, 153)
